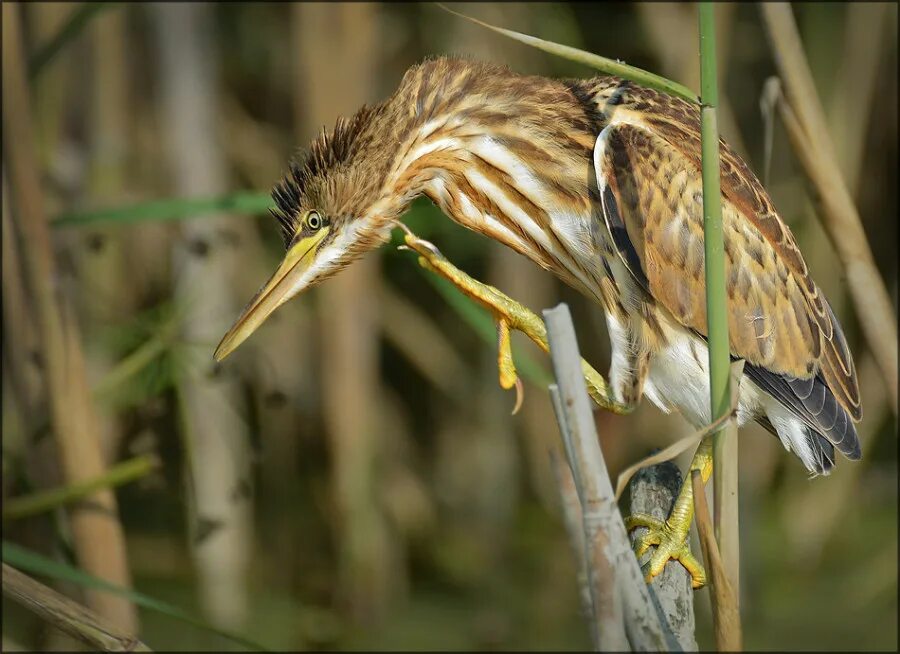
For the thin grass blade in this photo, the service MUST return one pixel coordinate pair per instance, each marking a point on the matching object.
(73, 27)
(246, 202)
(31, 562)
(603, 64)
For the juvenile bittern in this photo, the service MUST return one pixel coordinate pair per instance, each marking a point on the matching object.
(597, 181)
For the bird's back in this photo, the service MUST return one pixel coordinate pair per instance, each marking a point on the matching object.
(516, 160)
(780, 322)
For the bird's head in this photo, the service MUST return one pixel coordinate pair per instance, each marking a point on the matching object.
(332, 207)
(345, 195)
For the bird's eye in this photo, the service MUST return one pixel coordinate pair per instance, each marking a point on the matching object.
(313, 221)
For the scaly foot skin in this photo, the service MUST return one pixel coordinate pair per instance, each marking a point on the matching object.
(509, 315)
(671, 543)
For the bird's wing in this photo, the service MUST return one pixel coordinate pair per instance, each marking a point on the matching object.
(778, 321)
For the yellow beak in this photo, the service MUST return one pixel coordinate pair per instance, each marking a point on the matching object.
(281, 287)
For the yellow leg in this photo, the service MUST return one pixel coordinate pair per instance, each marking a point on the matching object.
(508, 314)
(671, 536)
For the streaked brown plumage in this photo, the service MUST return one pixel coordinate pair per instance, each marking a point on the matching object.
(599, 182)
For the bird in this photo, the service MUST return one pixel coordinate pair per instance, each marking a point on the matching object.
(598, 181)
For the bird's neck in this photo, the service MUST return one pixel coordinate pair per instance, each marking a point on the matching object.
(499, 170)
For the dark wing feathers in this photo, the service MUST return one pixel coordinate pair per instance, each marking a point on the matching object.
(779, 321)
(822, 450)
(621, 239)
(811, 400)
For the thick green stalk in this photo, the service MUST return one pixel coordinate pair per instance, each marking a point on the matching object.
(716, 308)
(725, 441)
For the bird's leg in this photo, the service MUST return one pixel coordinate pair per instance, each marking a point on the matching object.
(671, 536)
(509, 315)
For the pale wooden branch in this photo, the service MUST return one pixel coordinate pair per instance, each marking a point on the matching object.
(625, 616)
(652, 491)
(840, 218)
(67, 615)
(571, 508)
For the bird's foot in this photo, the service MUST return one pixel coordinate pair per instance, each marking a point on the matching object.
(670, 536)
(671, 542)
(509, 315)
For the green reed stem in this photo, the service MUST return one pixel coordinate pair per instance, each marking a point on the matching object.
(725, 440)
(47, 500)
(716, 301)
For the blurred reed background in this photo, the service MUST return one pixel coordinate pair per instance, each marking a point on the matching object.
(351, 477)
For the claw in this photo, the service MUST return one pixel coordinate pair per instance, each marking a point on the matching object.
(520, 396)
(507, 368)
(670, 543)
(694, 567)
(413, 242)
(643, 544)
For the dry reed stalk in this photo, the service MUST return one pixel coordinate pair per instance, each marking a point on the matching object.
(412, 331)
(104, 288)
(20, 341)
(811, 141)
(55, 84)
(849, 107)
(369, 572)
(76, 620)
(856, 86)
(726, 614)
(815, 510)
(215, 435)
(97, 534)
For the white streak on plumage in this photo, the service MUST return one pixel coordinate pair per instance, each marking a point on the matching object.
(677, 376)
